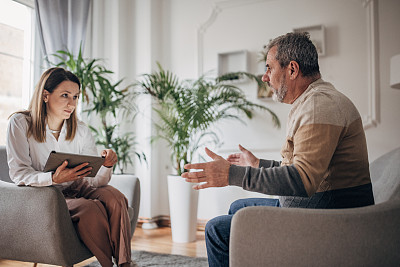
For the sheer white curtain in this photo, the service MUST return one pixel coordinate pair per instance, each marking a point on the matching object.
(62, 25)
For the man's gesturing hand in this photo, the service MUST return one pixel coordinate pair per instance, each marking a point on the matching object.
(246, 158)
(213, 174)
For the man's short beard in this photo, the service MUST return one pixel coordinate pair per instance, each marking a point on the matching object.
(280, 94)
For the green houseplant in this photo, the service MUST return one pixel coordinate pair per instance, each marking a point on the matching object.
(104, 98)
(187, 110)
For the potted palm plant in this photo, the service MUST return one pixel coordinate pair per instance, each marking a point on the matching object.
(187, 110)
(104, 98)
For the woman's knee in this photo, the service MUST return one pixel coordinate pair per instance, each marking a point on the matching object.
(113, 198)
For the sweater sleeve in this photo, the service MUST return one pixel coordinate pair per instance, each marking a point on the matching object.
(269, 163)
(270, 179)
(314, 145)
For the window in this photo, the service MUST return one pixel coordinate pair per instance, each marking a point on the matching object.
(16, 58)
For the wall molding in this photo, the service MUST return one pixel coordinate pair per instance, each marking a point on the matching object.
(372, 118)
(218, 7)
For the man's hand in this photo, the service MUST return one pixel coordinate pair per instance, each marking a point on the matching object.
(246, 158)
(213, 174)
(64, 174)
(110, 157)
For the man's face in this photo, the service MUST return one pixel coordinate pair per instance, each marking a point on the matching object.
(275, 76)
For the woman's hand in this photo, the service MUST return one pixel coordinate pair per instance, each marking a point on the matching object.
(64, 174)
(246, 158)
(110, 158)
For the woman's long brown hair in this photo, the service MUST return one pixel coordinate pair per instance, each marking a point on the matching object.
(37, 111)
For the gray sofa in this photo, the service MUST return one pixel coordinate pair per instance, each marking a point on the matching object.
(367, 236)
(35, 225)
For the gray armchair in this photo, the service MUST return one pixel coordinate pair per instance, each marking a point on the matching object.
(367, 236)
(35, 225)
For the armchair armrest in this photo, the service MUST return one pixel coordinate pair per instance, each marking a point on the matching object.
(129, 185)
(269, 236)
(35, 225)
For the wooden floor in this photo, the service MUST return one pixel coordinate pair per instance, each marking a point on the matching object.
(157, 240)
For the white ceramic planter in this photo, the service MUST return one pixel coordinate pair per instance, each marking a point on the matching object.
(183, 202)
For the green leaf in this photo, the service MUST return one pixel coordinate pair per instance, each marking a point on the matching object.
(187, 109)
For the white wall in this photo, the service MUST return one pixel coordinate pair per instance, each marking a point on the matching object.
(127, 35)
(386, 136)
(186, 35)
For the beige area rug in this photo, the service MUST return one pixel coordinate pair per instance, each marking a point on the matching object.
(147, 259)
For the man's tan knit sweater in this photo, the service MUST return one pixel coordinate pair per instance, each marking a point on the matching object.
(324, 159)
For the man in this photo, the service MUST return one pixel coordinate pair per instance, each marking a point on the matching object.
(324, 158)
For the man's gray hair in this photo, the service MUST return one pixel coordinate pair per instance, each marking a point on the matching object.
(297, 47)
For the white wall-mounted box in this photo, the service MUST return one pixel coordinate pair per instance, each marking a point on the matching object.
(235, 61)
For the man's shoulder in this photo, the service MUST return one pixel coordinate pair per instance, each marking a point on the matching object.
(323, 93)
(323, 104)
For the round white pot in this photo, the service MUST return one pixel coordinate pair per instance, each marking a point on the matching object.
(183, 200)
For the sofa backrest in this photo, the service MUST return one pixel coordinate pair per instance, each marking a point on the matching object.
(4, 175)
(385, 176)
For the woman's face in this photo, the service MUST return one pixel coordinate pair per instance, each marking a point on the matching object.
(62, 102)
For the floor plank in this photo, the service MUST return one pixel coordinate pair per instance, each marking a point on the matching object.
(155, 240)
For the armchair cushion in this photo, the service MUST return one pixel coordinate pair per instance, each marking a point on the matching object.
(269, 236)
(385, 176)
(36, 226)
(129, 185)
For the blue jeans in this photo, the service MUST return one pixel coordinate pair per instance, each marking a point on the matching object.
(218, 230)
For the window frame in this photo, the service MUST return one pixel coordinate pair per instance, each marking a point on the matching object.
(32, 57)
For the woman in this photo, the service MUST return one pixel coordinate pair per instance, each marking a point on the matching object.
(99, 212)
